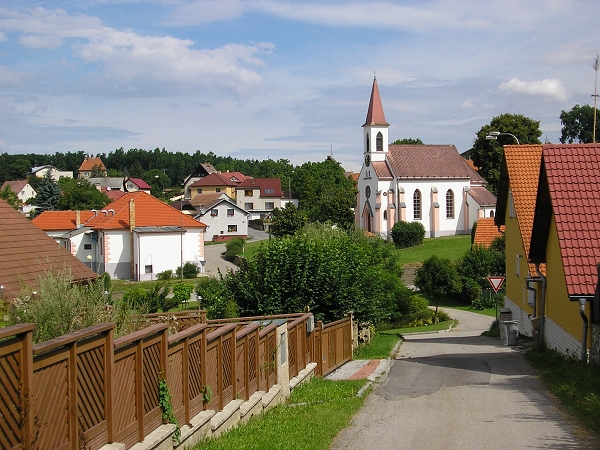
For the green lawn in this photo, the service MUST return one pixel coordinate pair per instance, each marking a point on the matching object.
(380, 347)
(451, 247)
(312, 417)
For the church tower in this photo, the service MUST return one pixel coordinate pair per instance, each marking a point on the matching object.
(375, 129)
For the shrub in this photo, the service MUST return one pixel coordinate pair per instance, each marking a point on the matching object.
(182, 292)
(483, 302)
(190, 270)
(470, 291)
(166, 275)
(473, 231)
(149, 300)
(214, 297)
(408, 234)
(234, 247)
(136, 298)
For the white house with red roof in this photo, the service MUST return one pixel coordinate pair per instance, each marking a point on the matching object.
(136, 184)
(430, 184)
(259, 196)
(216, 182)
(225, 219)
(22, 188)
(136, 237)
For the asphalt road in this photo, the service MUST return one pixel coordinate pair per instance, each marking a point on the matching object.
(459, 390)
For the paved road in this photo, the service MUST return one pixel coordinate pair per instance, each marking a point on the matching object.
(459, 390)
(214, 259)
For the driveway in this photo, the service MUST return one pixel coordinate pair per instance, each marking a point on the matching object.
(459, 390)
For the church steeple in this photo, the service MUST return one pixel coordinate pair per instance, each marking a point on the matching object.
(375, 128)
(375, 115)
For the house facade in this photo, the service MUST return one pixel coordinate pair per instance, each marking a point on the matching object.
(56, 174)
(217, 183)
(136, 238)
(199, 172)
(136, 184)
(225, 219)
(259, 196)
(566, 238)
(431, 184)
(22, 188)
(91, 165)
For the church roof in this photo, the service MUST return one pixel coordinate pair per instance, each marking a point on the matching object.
(482, 196)
(375, 115)
(429, 161)
(382, 170)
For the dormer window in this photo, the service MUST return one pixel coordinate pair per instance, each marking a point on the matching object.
(379, 142)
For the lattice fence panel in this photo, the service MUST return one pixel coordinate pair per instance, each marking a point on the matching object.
(212, 378)
(195, 365)
(271, 347)
(227, 364)
(252, 357)
(292, 354)
(10, 410)
(240, 356)
(347, 341)
(124, 379)
(51, 407)
(151, 374)
(90, 388)
(175, 380)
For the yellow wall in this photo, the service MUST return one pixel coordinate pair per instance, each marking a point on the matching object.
(558, 306)
(230, 191)
(515, 284)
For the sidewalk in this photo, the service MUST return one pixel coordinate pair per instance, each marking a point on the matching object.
(370, 369)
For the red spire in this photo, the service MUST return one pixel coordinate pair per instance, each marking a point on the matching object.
(375, 115)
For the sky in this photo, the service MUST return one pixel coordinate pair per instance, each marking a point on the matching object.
(258, 79)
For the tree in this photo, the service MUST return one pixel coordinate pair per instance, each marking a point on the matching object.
(158, 181)
(408, 141)
(11, 198)
(97, 171)
(287, 220)
(48, 194)
(578, 125)
(487, 154)
(80, 194)
(438, 278)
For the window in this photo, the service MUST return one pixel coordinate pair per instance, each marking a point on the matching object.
(248, 192)
(248, 206)
(417, 205)
(492, 213)
(214, 212)
(87, 246)
(232, 228)
(230, 212)
(449, 204)
(379, 142)
(148, 269)
(269, 191)
(198, 191)
(269, 205)
(385, 215)
(368, 149)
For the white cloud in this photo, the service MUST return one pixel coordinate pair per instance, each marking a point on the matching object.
(549, 88)
(41, 41)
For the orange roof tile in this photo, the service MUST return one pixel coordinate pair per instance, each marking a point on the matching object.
(569, 186)
(60, 220)
(26, 252)
(89, 163)
(486, 232)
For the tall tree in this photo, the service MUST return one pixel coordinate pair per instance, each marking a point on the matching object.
(487, 154)
(578, 125)
(48, 194)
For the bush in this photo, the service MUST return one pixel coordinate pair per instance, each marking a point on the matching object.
(408, 234)
(190, 270)
(166, 275)
(480, 262)
(438, 278)
(214, 297)
(470, 291)
(149, 300)
(483, 302)
(182, 292)
(234, 247)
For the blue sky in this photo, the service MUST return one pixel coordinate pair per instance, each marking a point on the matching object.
(284, 79)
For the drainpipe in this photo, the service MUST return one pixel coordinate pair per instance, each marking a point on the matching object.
(543, 304)
(582, 302)
(529, 287)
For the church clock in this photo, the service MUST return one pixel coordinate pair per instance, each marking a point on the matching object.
(367, 159)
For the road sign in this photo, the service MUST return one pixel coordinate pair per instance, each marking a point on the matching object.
(496, 282)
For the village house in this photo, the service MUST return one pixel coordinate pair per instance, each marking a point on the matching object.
(260, 196)
(197, 174)
(486, 231)
(136, 237)
(90, 167)
(22, 188)
(55, 174)
(225, 219)
(215, 182)
(136, 184)
(431, 184)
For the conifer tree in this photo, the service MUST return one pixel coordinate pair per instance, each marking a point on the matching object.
(48, 194)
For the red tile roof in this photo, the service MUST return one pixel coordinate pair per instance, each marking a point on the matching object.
(89, 163)
(26, 252)
(60, 220)
(263, 184)
(569, 185)
(113, 194)
(482, 196)
(216, 179)
(486, 232)
(15, 186)
(140, 183)
(202, 200)
(375, 115)
(382, 170)
(429, 161)
(149, 212)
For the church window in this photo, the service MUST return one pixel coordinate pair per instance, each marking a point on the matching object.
(385, 215)
(449, 204)
(492, 213)
(417, 205)
(379, 142)
(368, 149)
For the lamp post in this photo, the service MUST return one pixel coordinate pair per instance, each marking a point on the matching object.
(89, 258)
(493, 135)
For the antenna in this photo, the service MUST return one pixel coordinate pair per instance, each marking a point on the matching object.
(331, 151)
(595, 66)
(374, 74)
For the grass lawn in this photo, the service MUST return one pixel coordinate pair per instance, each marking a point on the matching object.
(449, 303)
(312, 417)
(380, 347)
(435, 327)
(451, 247)
(576, 385)
(251, 247)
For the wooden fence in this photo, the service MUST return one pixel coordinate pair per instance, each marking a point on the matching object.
(86, 389)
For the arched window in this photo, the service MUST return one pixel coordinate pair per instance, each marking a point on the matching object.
(379, 142)
(492, 213)
(417, 205)
(449, 204)
(385, 215)
(368, 149)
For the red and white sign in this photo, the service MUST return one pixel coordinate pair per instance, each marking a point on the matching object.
(496, 282)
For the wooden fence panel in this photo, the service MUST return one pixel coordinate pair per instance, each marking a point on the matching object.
(16, 428)
(334, 345)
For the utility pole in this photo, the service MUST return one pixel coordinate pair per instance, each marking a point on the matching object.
(595, 66)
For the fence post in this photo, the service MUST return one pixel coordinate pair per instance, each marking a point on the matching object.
(282, 358)
(109, 364)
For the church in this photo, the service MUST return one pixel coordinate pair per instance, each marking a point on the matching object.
(431, 184)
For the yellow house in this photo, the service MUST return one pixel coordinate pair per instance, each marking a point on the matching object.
(566, 236)
(517, 190)
(220, 183)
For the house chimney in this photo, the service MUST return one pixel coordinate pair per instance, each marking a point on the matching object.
(77, 219)
(131, 215)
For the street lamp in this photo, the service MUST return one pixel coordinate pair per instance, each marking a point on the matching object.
(493, 135)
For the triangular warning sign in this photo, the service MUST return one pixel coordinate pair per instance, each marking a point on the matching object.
(496, 282)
